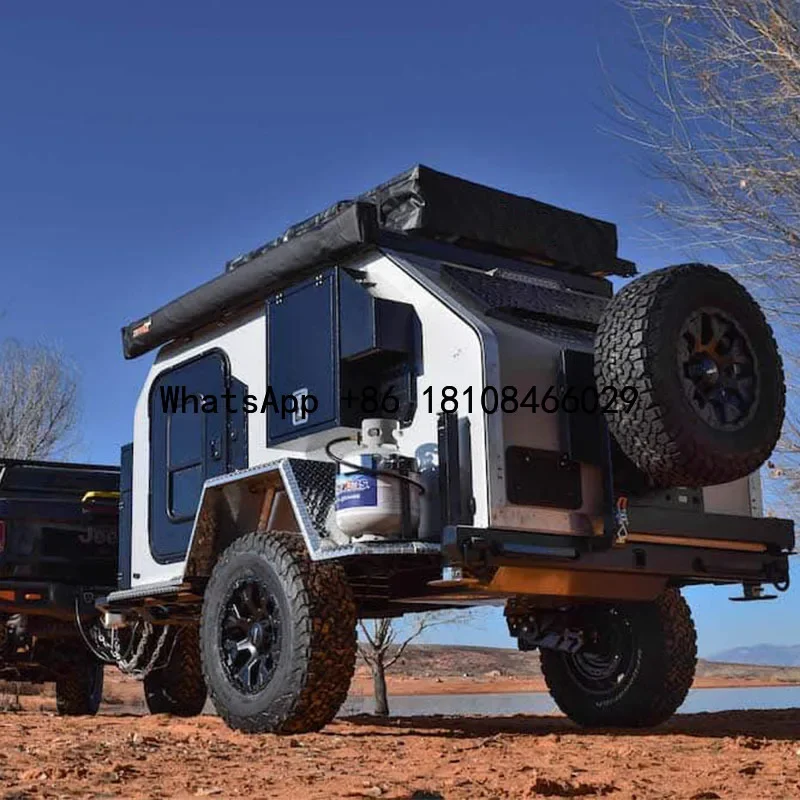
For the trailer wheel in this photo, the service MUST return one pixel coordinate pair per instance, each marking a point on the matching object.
(635, 669)
(703, 360)
(79, 687)
(277, 636)
(179, 688)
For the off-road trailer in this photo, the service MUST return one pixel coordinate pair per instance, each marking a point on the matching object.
(426, 398)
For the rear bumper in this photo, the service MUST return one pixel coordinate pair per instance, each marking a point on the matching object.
(689, 553)
(57, 600)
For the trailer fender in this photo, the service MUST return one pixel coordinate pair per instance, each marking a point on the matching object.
(294, 495)
(288, 495)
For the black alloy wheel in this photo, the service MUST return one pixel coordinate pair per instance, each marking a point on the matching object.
(607, 658)
(250, 635)
(277, 635)
(719, 368)
(635, 667)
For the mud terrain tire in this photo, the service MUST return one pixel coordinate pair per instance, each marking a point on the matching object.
(709, 377)
(638, 683)
(79, 687)
(179, 688)
(277, 636)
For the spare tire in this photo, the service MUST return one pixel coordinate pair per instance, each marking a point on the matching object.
(709, 378)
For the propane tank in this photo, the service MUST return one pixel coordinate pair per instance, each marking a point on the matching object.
(377, 488)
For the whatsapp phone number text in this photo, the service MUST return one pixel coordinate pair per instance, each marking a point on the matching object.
(505, 399)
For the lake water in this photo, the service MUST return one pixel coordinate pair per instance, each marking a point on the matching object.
(698, 700)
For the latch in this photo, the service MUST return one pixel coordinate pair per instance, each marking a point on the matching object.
(621, 518)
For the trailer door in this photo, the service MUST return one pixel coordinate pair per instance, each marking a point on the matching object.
(188, 445)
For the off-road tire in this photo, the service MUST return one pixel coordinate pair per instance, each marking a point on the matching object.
(4, 637)
(662, 669)
(637, 344)
(79, 686)
(317, 622)
(179, 688)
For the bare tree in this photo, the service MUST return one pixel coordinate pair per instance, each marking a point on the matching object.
(720, 124)
(38, 401)
(383, 646)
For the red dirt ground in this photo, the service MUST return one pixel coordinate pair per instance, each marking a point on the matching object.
(746, 755)
(730, 755)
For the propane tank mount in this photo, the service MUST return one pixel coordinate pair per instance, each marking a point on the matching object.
(378, 492)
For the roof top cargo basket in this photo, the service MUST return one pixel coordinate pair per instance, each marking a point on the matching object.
(419, 204)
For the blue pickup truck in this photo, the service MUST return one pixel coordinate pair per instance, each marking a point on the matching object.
(58, 551)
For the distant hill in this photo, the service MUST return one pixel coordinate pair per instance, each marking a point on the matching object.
(443, 660)
(433, 660)
(776, 655)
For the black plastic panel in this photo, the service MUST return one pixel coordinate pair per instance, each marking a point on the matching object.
(581, 430)
(356, 311)
(125, 517)
(449, 473)
(542, 478)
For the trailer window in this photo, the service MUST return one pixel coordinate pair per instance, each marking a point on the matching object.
(186, 434)
(185, 437)
(184, 489)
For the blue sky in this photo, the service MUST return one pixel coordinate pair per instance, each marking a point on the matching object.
(142, 145)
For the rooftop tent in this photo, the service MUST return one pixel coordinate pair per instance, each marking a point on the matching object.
(425, 203)
(419, 203)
